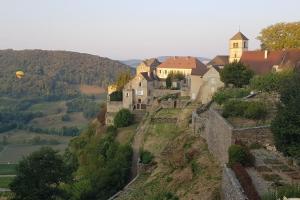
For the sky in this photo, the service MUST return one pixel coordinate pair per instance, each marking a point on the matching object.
(129, 29)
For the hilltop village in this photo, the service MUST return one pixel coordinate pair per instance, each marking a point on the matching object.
(190, 78)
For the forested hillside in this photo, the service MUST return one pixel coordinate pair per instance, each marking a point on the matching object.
(54, 73)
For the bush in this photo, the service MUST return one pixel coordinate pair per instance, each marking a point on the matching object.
(255, 110)
(271, 82)
(246, 182)
(123, 118)
(111, 130)
(225, 94)
(234, 108)
(249, 110)
(146, 157)
(236, 73)
(240, 154)
(116, 96)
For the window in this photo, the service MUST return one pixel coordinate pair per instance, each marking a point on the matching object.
(165, 71)
(235, 55)
(245, 44)
(235, 45)
(139, 101)
(127, 95)
(160, 71)
(140, 84)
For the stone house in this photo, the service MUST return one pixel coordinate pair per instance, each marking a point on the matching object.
(137, 93)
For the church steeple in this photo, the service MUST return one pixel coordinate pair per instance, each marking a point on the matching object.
(237, 45)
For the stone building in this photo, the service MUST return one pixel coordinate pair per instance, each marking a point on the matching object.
(137, 93)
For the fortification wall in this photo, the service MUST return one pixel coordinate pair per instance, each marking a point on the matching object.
(220, 134)
(231, 188)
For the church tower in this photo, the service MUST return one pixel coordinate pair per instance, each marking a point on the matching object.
(237, 45)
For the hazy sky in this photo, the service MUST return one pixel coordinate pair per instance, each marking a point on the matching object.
(125, 29)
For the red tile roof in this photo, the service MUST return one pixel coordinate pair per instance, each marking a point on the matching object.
(185, 62)
(257, 62)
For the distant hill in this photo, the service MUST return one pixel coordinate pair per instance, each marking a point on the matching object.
(54, 72)
(135, 62)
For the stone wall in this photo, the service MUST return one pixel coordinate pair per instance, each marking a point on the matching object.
(220, 134)
(231, 188)
(163, 92)
(173, 103)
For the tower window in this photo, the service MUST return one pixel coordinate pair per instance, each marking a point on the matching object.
(235, 45)
(140, 84)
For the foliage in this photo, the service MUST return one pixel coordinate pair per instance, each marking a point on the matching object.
(85, 105)
(286, 126)
(146, 157)
(270, 82)
(112, 130)
(223, 95)
(169, 82)
(123, 118)
(64, 131)
(174, 77)
(103, 166)
(123, 79)
(101, 115)
(248, 109)
(54, 74)
(246, 182)
(280, 36)
(39, 176)
(236, 73)
(169, 96)
(116, 96)
(288, 191)
(240, 154)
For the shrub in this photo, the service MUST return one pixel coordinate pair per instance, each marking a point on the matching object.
(169, 82)
(146, 157)
(225, 94)
(271, 82)
(116, 96)
(249, 110)
(236, 73)
(123, 118)
(246, 182)
(234, 108)
(240, 154)
(255, 110)
(111, 130)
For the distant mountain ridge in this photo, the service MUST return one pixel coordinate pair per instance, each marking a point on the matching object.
(54, 72)
(135, 62)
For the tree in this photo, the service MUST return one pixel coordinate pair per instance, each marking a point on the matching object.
(123, 118)
(286, 125)
(236, 73)
(39, 175)
(123, 79)
(169, 82)
(280, 36)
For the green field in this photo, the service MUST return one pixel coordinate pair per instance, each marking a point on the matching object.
(5, 181)
(7, 169)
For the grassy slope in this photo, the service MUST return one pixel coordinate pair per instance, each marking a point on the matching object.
(184, 165)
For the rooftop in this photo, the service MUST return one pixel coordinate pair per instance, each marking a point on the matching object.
(239, 36)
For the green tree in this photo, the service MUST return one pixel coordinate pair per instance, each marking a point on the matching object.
(123, 79)
(169, 82)
(236, 73)
(280, 36)
(123, 118)
(286, 125)
(39, 175)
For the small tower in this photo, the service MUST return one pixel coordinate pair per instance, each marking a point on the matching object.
(237, 45)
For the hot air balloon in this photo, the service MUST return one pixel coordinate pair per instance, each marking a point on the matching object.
(20, 74)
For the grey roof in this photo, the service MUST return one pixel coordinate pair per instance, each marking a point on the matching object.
(152, 62)
(219, 61)
(239, 36)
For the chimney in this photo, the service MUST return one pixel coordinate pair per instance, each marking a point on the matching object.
(266, 54)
